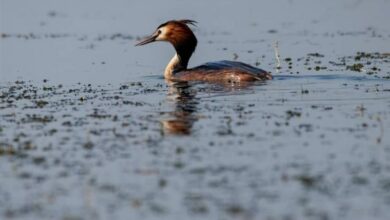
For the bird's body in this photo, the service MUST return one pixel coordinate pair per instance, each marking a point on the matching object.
(183, 39)
(225, 71)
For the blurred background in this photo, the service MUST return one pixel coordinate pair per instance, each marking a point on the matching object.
(74, 37)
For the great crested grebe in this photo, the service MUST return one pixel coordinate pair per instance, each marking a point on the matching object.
(184, 41)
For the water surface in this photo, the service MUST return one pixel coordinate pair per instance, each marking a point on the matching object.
(90, 130)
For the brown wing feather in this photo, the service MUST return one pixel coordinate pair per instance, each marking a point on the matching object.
(224, 71)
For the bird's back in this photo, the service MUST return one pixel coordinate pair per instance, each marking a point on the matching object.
(225, 71)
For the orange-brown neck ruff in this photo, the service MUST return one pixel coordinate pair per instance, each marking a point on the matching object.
(184, 42)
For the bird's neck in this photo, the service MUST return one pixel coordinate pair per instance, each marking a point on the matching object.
(179, 62)
(172, 65)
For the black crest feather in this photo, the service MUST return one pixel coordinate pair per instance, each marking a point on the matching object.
(183, 21)
(187, 21)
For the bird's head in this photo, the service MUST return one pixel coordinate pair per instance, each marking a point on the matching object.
(177, 32)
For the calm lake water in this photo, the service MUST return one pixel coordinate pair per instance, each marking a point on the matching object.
(89, 129)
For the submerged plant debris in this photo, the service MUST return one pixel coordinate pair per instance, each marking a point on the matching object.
(179, 138)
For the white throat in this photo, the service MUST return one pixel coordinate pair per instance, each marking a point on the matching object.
(175, 61)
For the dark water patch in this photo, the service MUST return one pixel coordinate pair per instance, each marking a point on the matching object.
(115, 36)
(367, 62)
(79, 37)
(355, 67)
(370, 63)
(34, 36)
(23, 211)
(309, 181)
(340, 76)
(315, 55)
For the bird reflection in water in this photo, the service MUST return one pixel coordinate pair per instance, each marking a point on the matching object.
(183, 117)
(183, 95)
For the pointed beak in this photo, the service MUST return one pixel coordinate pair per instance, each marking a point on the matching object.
(147, 40)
